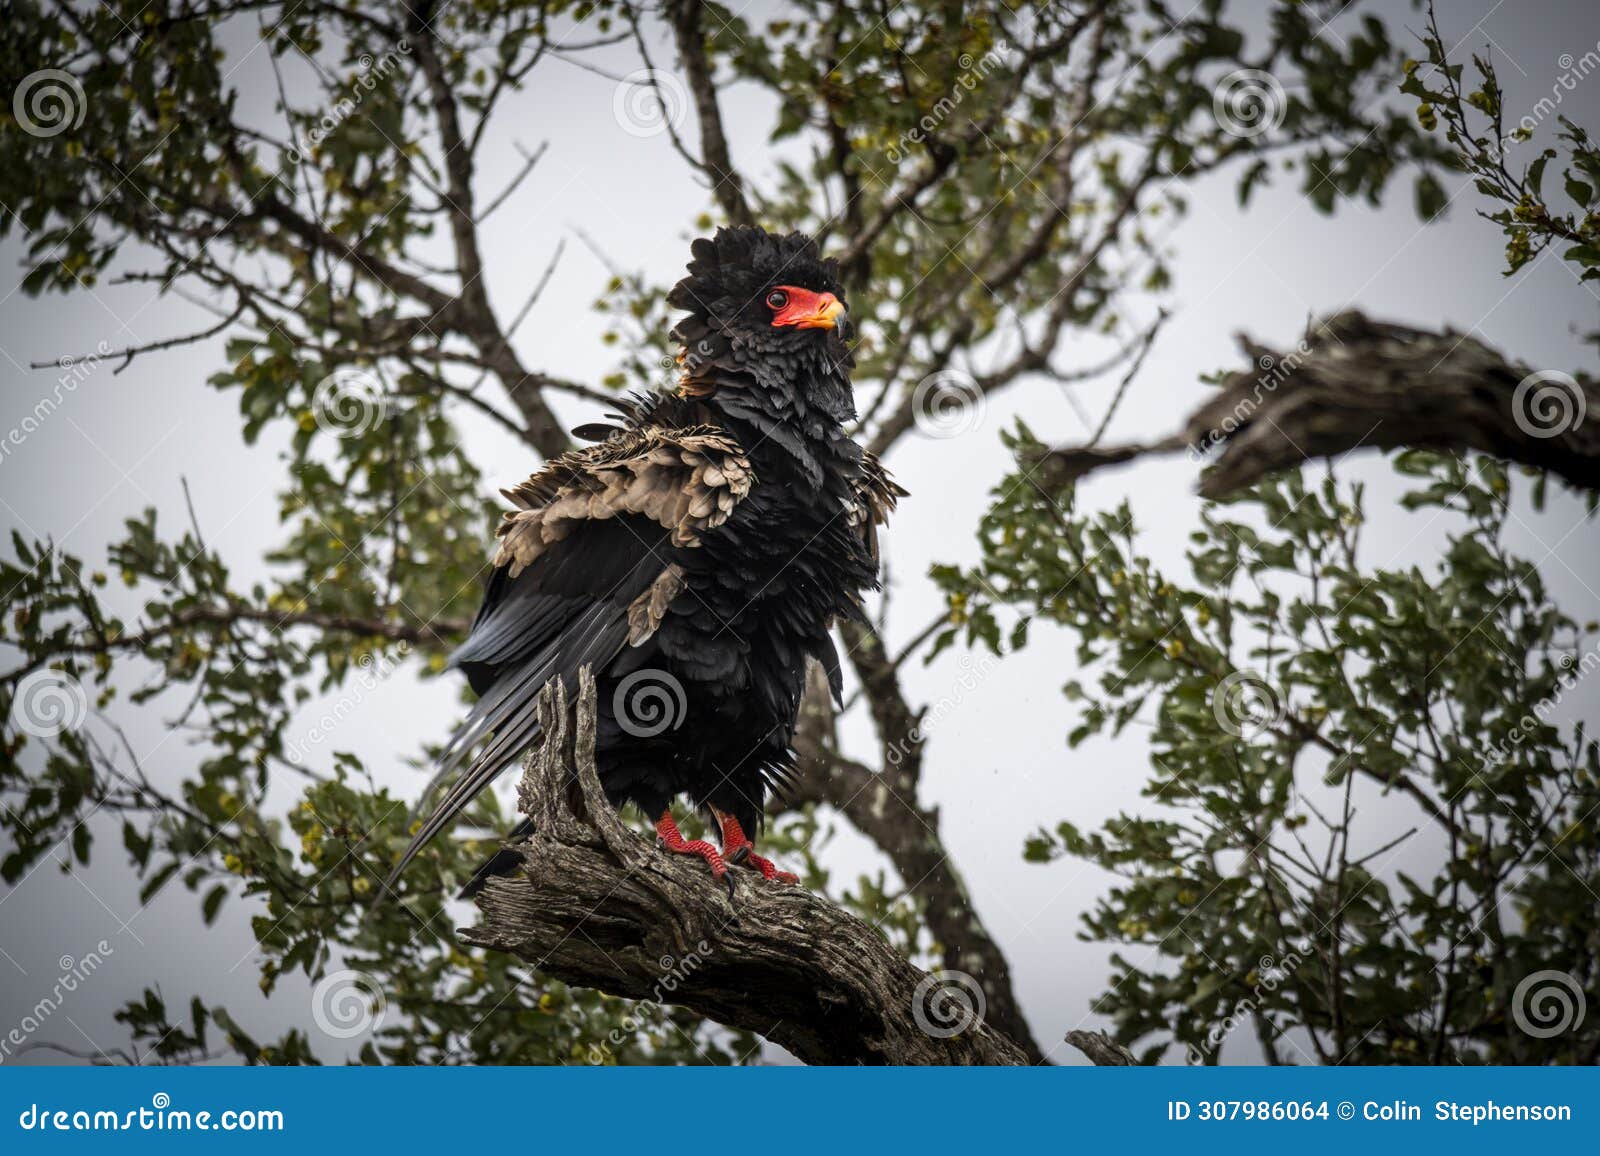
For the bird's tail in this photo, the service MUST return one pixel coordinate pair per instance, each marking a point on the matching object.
(478, 775)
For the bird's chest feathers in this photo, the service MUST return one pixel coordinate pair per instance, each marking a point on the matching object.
(790, 543)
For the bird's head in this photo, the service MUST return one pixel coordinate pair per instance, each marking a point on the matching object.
(757, 299)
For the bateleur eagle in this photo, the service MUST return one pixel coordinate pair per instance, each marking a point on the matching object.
(694, 558)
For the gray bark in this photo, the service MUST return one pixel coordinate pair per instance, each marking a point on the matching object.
(598, 906)
(1356, 382)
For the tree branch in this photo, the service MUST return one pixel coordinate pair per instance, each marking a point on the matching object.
(884, 807)
(475, 316)
(726, 183)
(596, 906)
(437, 632)
(1356, 382)
(1101, 1049)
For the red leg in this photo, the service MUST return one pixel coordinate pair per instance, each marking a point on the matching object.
(737, 848)
(672, 839)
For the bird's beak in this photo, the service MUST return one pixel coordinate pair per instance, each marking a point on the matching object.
(826, 315)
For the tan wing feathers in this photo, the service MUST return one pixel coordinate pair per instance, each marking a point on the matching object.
(646, 611)
(686, 480)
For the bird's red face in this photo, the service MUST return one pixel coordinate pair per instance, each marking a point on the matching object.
(799, 308)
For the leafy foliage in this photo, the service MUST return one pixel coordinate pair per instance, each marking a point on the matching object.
(1475, 127)
(995, 177)
(1289, 688)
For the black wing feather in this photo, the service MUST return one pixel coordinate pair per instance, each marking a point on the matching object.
(568, 610)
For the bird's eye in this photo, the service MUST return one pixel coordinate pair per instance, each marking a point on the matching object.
(777, 299)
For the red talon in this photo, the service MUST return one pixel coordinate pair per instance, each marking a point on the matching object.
(769, 870)
(737, 848)
(672, 839)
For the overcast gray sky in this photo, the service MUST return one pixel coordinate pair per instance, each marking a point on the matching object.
(997, 766)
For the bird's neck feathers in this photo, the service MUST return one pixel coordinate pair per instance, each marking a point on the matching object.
(789, 405)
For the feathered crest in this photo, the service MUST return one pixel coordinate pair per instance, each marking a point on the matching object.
(732, 270)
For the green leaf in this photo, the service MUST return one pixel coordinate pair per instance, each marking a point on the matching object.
(1430, 196)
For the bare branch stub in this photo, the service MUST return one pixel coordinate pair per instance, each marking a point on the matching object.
(597, 906)
(1102, 1050)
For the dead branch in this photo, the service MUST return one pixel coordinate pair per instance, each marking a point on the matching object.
(1356, 382)
(598, 906)
(1102, 1050)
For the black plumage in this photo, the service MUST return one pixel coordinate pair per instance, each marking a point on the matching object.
(694, 557)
